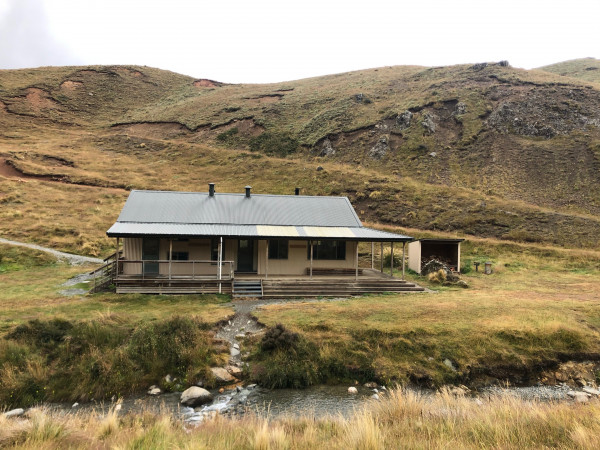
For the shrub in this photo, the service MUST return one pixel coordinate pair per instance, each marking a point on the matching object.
(278, 337)
(438, 276)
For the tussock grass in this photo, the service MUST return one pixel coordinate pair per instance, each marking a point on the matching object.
(401, 420)
(60, 360)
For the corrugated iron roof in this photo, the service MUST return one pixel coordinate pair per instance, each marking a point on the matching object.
(199, 207)
(125, 229)
(166, 213)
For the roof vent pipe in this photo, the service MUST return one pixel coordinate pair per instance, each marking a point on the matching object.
(248, 191)
(297, 191)
(211, 189)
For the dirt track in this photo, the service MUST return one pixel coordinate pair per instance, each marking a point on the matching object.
(75, 260)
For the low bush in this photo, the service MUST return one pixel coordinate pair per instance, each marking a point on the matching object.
(276, 144)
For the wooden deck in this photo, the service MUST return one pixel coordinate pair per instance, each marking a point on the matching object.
(257, 286)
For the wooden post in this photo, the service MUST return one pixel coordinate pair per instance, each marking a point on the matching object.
(372, 255)
(220, 260)
(403, 258)
(311, 258)
(356, 263)
(267, 262)
(392, 259)
(170, 257)
(381, 257)
(116, 271)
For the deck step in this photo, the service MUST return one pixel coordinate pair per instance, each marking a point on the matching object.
(247, 288)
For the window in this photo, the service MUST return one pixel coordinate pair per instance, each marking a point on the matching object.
(278, 249)
(332, 250)
(214, 249)
(180, 256)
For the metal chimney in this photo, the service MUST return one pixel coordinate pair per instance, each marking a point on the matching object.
(297, 191)
(248, 191)
(211, 189)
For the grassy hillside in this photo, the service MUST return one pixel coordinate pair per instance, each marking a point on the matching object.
(587, 69)
(478, 149)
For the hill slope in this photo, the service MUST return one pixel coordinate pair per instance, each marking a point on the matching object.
(587, 69)
(483, 149)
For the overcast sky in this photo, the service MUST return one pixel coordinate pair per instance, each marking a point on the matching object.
(278, 40)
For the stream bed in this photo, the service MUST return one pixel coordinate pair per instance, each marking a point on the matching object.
(315, 401)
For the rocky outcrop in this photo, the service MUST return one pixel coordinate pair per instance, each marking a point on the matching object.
(195, 396)
(428, 123)
(380, 149)
(327, 148)
(403, 120)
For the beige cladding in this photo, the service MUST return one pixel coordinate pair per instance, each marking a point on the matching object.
(199, 250)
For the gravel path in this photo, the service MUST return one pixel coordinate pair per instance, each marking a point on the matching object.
(74, 260)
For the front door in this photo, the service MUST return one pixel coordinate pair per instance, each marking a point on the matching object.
(245, 255)
(150, 247)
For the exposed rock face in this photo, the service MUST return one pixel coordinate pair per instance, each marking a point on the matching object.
(195, 396)
(428, 123)
(572, 373)
(221, 375)
(539, 117)
(380, 149)
(403, 120)
(327, 148)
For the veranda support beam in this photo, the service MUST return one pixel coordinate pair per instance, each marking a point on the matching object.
(267, 261)
(356, 263)
(392, 259)
(403, 258)
(170, 257)
(311, 258)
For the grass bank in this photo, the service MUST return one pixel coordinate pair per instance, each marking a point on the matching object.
(539, 307)
(65, 348)
(402, 420)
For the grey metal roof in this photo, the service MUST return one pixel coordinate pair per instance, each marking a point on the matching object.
(199, 207)
(165, 213)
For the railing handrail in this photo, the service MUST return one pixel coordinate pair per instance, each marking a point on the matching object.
(122, 261)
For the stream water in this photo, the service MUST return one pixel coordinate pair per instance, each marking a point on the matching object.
(316, 401)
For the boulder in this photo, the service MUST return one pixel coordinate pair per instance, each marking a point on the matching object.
(14, 413)
(195, 396)
(375, 396)
(234, 352)
(234, 370)
(461, 109)
(370, 385)
(154, 391)
(450, 365)
(591, 391)
(221, 375)
(352, 390)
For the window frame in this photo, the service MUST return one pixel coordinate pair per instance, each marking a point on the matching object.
(320, 247)
(278, 249)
